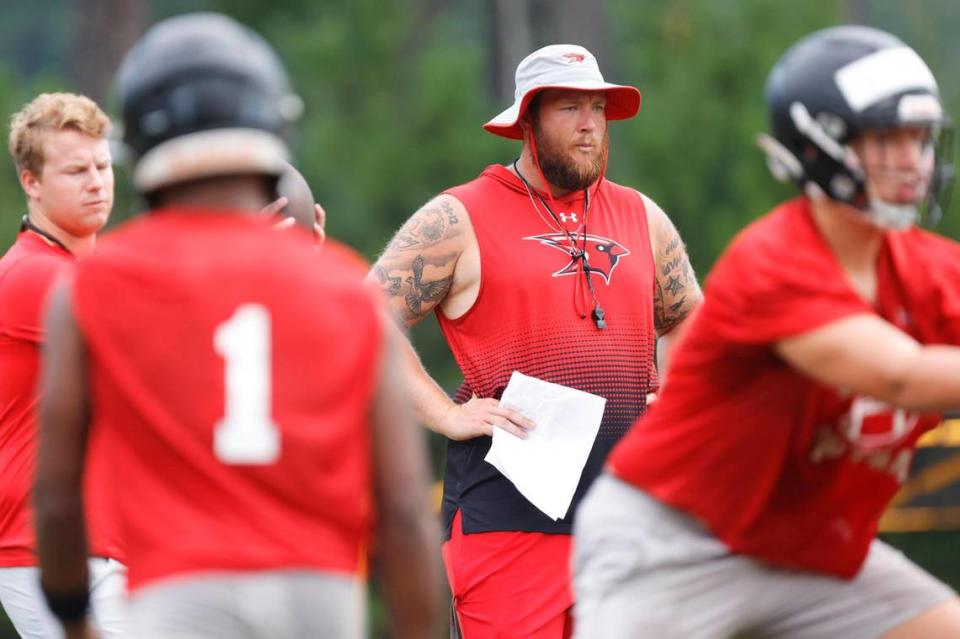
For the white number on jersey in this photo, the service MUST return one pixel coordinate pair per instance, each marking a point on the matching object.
(246, 434)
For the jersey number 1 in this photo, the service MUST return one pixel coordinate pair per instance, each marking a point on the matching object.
(246, 434)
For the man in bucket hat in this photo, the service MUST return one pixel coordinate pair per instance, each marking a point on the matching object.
(544, 267)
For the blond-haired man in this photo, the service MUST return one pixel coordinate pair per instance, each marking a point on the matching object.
(58, 143)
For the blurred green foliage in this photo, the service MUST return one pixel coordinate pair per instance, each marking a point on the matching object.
(395, 96)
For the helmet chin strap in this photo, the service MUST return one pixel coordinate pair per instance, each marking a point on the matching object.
(886, 215)
(895, 217)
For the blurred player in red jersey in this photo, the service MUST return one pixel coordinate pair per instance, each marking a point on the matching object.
(747, 500)
(58, 143)
(240, 381)
(545, 267)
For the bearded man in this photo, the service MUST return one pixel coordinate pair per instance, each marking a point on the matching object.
(544, 267)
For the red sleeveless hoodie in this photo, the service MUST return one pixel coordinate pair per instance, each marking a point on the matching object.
(526, 319)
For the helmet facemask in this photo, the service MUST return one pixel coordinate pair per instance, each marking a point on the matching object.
(931, 177)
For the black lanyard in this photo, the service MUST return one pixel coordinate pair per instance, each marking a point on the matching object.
(26, 224)
(578, 253)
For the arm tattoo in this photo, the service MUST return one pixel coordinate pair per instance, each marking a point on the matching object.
(674, 285)
(674, 243)
(676, 291)
(391, 285)
(425, 229)
(451, 214)
(415, 294)
(417, 267)
(420, 291)
(671, 266)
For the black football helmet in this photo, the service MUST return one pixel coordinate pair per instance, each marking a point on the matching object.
(830, 87)
(201, 96)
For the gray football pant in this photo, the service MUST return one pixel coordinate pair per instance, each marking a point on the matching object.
(643, 569)
(24, 604)
(251, 605)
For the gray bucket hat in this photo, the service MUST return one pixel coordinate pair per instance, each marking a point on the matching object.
(561, 66)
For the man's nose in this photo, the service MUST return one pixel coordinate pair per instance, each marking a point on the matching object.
(94, 178)
(589, 120)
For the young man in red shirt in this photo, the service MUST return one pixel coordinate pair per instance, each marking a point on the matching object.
(58, 143)
(747, 500)
(545, 267)
(241, 382)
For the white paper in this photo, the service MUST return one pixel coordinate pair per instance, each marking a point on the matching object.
(546, 466)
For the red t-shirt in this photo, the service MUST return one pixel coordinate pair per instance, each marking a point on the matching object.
(27, 272)
(231, 373)
(776, 465)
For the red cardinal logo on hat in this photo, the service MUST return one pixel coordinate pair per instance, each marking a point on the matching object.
(574, 57)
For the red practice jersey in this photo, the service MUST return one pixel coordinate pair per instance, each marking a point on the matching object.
(778, 466)
(232, 368)
(27, 272)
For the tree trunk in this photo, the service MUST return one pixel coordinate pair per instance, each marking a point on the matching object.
(426, 13)
(105, 30)
(855, 11)
(521, 26)
(584, 23)
(512, 42)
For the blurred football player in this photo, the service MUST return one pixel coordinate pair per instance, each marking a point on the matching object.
(748, 499)
(59, 145)
(241, 383)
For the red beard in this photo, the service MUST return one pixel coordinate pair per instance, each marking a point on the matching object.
(561, 170)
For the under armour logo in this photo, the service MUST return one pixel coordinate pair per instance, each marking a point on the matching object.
(572, 217)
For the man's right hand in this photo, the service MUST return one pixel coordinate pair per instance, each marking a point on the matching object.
(479, 416)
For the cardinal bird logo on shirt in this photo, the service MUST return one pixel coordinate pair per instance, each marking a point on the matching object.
(603, 254)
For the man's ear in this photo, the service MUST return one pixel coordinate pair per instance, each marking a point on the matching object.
(526, 125)
(525, 122)
(30, 183)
